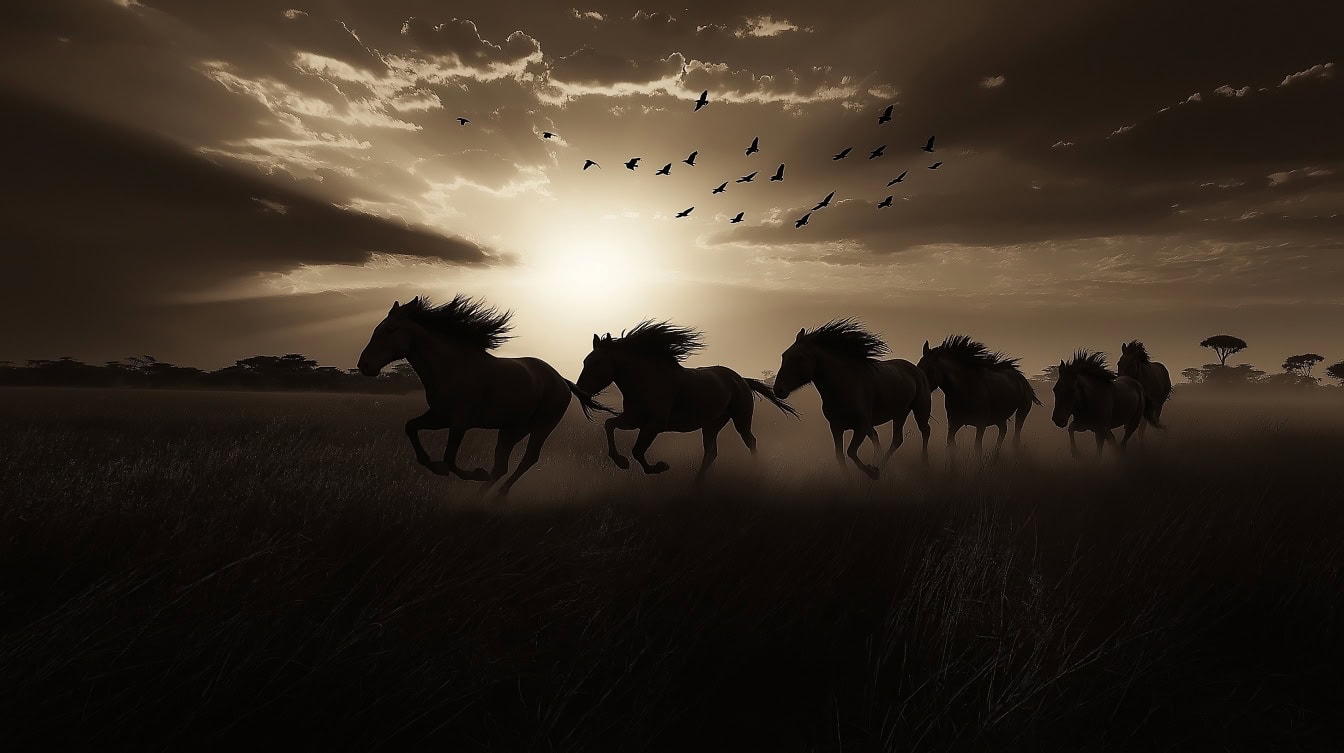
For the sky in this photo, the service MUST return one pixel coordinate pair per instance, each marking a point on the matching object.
(203, 180)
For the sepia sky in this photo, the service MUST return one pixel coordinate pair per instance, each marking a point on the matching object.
(202, 180)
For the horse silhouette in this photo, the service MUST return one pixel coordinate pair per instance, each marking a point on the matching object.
(660, 394)
(1098, 400)
(982, 389)
(858, 392)
(1153, 375)
(467, 387)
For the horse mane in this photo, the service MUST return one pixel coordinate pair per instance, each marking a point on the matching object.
(1136, 349)
(1089, 364)
(660, 340)
(473, 322)
(976, 355)
(847, 337)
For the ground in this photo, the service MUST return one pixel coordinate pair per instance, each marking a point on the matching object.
(180, 568)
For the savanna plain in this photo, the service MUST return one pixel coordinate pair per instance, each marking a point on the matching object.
(225, 569)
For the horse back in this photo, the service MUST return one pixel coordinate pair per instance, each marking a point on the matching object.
(898, 386)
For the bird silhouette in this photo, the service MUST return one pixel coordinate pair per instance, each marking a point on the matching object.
(885, 117)
(589, 163)
(843, 153)
(878, 152)
(746, 178)
(722, 187)
(801, 221)
(736, 219)
(898, 179)
(685, 211)
(704, 100)
(462, 121)
(935, 166)
(691, 159)
(667, 170)
(929, 146)
(779, 173)
(755, 146)
(885, 202)
(826, 202)
(633, 163)
(547, 135)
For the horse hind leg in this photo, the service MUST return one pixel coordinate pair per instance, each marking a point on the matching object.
(854, 444)
(531, 454)
(742, 423)
(922, 421)
(508, 439)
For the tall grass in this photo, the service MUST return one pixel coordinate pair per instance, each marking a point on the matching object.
(202, 569)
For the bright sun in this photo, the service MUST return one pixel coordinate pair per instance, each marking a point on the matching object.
(591, 269)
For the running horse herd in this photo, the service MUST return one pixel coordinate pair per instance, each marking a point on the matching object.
(467, 387)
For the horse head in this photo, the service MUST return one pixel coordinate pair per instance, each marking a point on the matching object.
(391, 341)
(797, 366)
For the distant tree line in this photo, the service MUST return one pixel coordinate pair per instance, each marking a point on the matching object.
(292, 371)
(1296, 370)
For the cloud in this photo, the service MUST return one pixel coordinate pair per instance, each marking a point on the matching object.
(1122, 130)
(764, 26)
(587, 15)
(1196, 97)
(1227, 91)
(1286, 176)
(460, 39)
(293, 14)
(589, 67)
(992, 82)
(1318, 71)
(1061, 144)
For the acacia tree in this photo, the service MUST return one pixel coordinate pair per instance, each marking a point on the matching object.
(1302, 364)
(1193, 375)
(1336, 371)
(1224, 346)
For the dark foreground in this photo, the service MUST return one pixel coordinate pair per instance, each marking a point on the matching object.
(230, 570)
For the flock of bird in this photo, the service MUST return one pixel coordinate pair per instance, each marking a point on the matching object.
(778, 176)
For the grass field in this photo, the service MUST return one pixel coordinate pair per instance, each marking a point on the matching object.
(222, 570)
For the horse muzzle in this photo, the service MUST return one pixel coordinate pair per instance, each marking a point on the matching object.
(1060, 421)
(368, 369)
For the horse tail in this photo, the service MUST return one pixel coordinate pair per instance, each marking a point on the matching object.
(765, 391)
(587, 402)
(1032, 392)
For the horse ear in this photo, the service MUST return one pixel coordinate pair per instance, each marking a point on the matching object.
(395, 305)
(801, 331)
(1061, 365)
(1124, 347)
(926, 347)
(596, 341)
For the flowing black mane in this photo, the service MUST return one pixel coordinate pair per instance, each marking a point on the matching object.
(473, 322)
(659, 340)
(1136, 349)
(847, 337)
(968, 352)
(1089, 364)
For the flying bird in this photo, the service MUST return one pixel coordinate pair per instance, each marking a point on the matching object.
(843, 153)
(826, 202)
(755, 146)
(685, 211)
(801, 221)
(667, 170)
(746, 178)
(885, 117)
(736, 219)
(929, 146)
(779, 173)
(898, 179)
(722, 187)
(462, 121)
(589, 163)
(633, 163)
(935, 165)
(885, 203)
(547, 135)
(691, 159)
(704, 100)
(878, 152)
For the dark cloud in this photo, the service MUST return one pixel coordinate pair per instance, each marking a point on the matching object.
(591, 67)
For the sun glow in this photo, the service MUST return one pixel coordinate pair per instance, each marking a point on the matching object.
(593, 269)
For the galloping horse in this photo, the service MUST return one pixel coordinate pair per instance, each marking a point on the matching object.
(1097, 400)
(660, 394)
(982, 388)
(858, 392)
(1153, 375)
(467, 387)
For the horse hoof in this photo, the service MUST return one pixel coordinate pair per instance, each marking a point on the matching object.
(621, 462)
(438, 468)
(658, 467)
(873, 472)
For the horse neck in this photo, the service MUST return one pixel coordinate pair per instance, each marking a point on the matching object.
(835, 375)
(437, 359)
(955, 376)
(635, 375)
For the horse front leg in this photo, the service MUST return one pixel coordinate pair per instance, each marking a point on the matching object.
(424, 421)
(1073, 443)
(854, 444)
(838, 436)
(642, 443)
(612, 424)
(711, 443)
(449, 464)
(979, 441)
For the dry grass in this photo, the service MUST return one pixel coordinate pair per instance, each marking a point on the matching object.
(188, 568)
